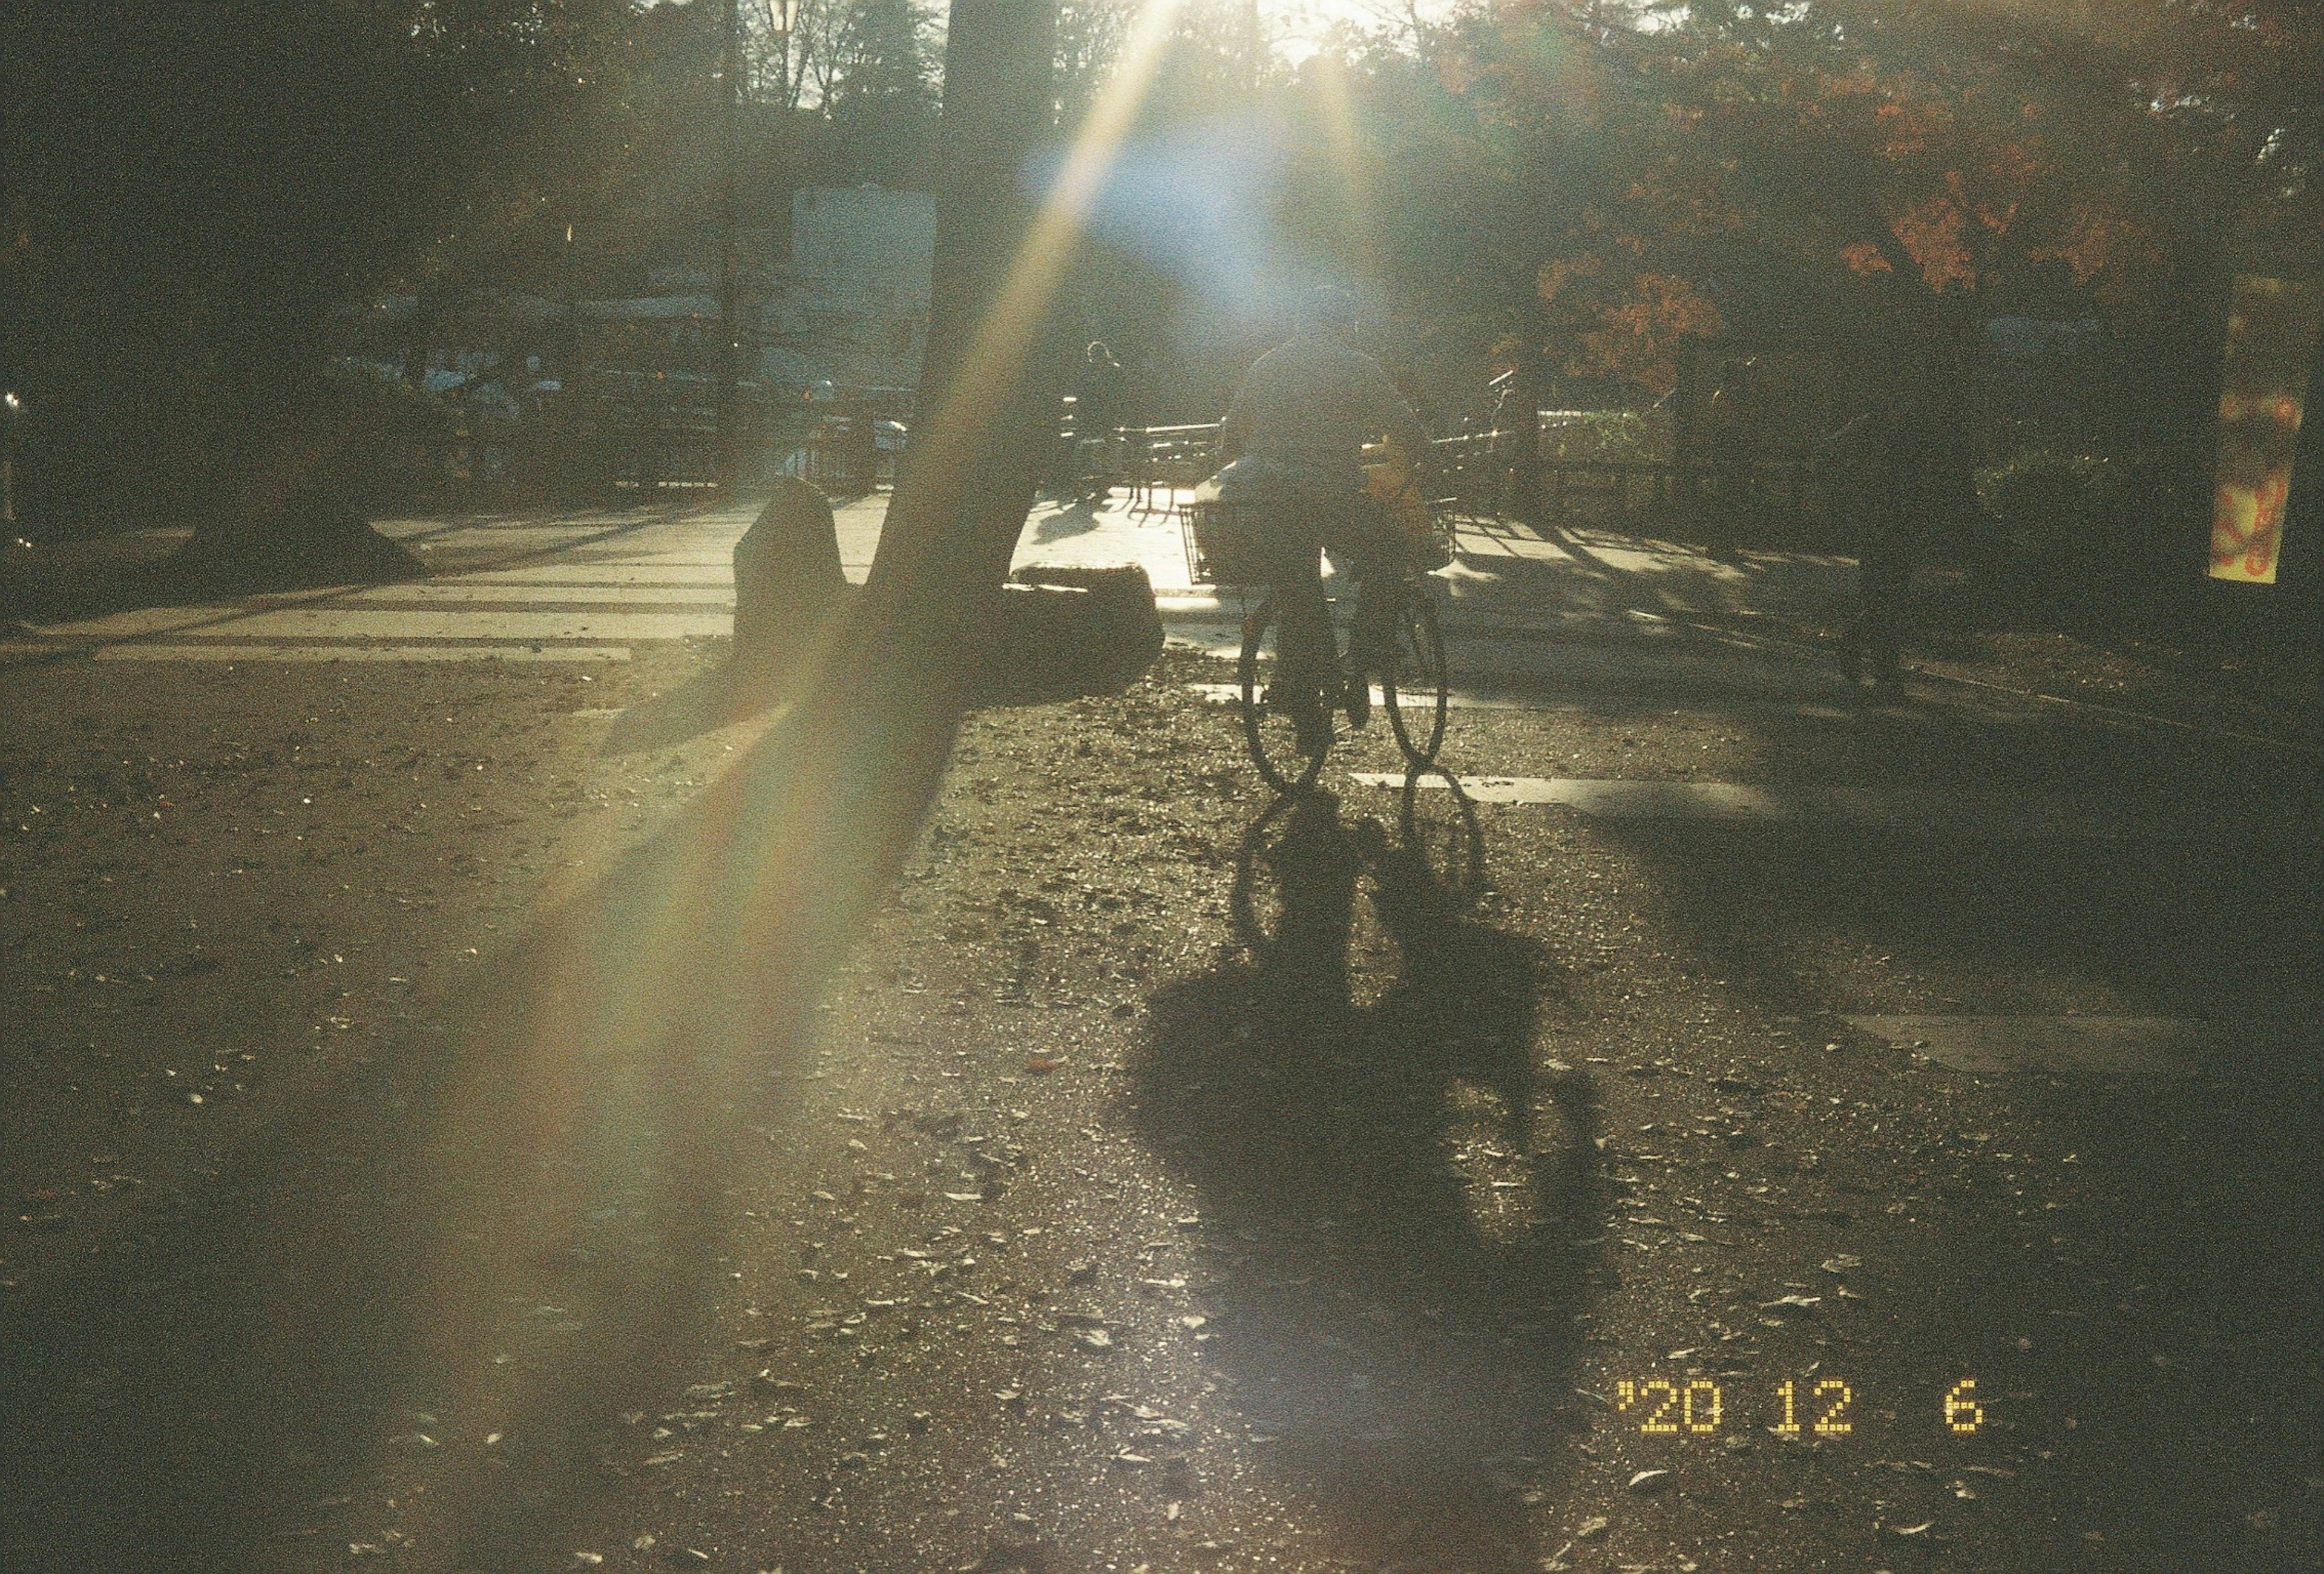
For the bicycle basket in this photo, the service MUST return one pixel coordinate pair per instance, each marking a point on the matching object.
(1226, 542)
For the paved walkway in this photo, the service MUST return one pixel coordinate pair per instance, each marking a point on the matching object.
(1564, 619)
(591, 587)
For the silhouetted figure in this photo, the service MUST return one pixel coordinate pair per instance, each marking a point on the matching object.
(1306, 408)
(1885, 484)
(11, 408)
(859, 446)
(1514, 472)
(1097, 410)
(1734, 419)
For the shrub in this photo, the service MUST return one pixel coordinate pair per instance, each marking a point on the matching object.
(2054, 518)
(1605, 435)
(2054, 511)
(369, 435)
(2079, 533)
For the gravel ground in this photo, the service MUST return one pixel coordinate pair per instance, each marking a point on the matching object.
(1169, 1180)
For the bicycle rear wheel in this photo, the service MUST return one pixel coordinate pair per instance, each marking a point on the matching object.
(1268, 724)
(1415, 679)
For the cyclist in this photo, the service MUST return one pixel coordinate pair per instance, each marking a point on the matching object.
(1306, 408)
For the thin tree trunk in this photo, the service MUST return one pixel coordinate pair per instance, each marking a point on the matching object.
(1527, 391)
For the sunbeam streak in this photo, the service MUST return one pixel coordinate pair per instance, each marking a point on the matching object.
(969, 407)
(654, 1016)
(1335, 100)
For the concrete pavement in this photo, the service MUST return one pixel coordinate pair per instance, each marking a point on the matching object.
(592, 587)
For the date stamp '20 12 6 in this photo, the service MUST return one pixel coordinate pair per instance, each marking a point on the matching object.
(1699, 1407)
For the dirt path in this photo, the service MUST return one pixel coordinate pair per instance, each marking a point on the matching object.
(1166, 1182)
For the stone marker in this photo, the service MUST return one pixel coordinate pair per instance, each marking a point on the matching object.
(787, 576)
(1063, 634)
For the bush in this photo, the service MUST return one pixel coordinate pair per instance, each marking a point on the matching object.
(373, 434)
(2052, 511)
(1606, 436)
(2055, 523)
(2076, 531)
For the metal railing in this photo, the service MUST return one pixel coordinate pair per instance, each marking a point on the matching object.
(843, 458)
(1154, 461)
(1472, 476)
(855, 447)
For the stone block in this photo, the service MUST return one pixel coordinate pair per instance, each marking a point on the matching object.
(788, 581)
(1063, 633)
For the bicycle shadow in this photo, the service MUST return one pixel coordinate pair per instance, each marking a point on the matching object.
(1402, 1326)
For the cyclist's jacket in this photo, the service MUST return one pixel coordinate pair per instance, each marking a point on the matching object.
(1310, 405)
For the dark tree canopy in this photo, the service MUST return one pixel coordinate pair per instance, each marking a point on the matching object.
(883, 101)
(196, 194)
(200, 198)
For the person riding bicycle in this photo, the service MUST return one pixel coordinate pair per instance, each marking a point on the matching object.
(1305, 409)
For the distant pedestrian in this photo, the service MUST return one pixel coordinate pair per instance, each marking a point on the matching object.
(1734, 434)
(1882, 490)
(1514, 445)
(11, 408)
(1097, 408)
(859, 445)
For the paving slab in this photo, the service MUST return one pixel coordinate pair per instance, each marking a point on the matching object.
(487, 593)
(234, 652)
(1994, 816)
(574, 570)
(367, 624)
(2145, 1046)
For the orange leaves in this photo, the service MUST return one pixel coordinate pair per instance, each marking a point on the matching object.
(1906, 129)
(1637, 338)
(1930, 230)
(2017, 160)
(2085, 248)
(1554, 275)
(1863, 257)
(2102, 240)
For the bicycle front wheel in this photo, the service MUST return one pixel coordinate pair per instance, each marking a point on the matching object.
(1416, 679)
(1269, 709)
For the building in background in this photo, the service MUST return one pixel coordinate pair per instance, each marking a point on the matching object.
(852, 309)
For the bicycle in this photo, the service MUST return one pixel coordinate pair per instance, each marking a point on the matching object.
(1408, 660)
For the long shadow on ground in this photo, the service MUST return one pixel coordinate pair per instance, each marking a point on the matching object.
(1411, 1244)
(98, 578)
(440, 1280)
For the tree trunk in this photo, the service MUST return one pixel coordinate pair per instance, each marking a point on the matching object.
(875, 723)
(837, 803)
(285, 503)
(994, 368)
